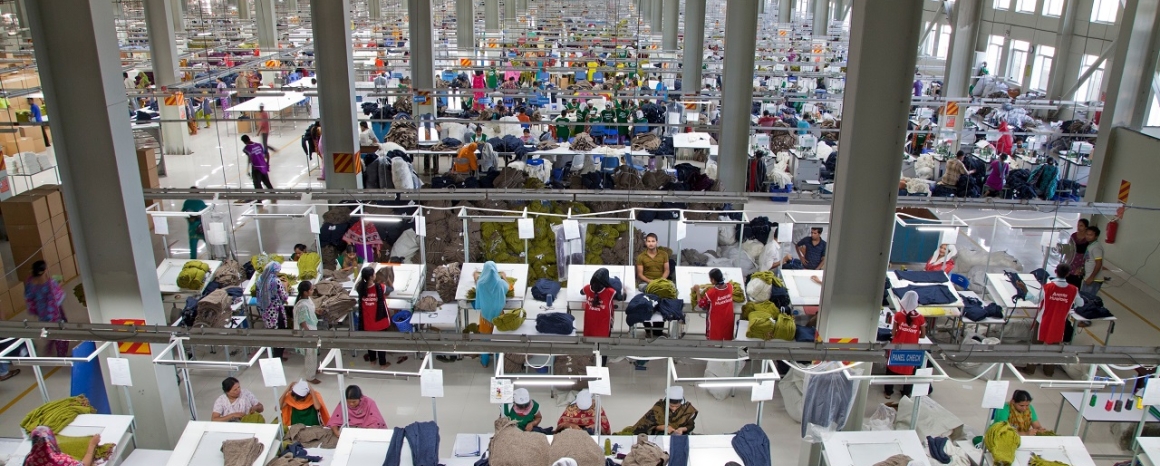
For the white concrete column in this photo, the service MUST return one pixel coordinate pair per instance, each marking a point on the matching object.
(784, 10)
(375, 9)
(178, 8)
(422, 52)
(1063, 75)
(878, 88)
(960, 64)
(243, 9)
(694, 55)
(509, 13)
(75, 44)
(491, 16)
(163, 54)
(464, 24)
(267, 26)
(292, 7)
(1131, 72)
(656, 16)
(672, 26)
(737, 93)
(646, 11)
(333, 55)
(821, 18)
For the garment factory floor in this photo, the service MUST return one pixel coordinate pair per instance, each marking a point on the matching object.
(464, 409)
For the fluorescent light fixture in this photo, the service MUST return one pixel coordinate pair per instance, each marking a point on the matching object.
(726, 384)
(543, 383)
(938, 229)
(374, 219)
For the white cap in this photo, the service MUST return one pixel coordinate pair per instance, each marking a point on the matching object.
(676, 393)
(521, 396)
(584, 399)
(301, 388)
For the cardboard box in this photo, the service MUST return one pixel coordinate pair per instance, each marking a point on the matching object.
(64, 246)
(25, 209)
(10, 148)
(16, 298)
(48, 251)
(7, 311)
(147, 158)
(55, 202)
(59, 225)
(151, 180)
(28, 236)
(68, 268)
(38, 145)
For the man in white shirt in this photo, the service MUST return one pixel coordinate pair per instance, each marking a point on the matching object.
(381, 81)
(366, 141)
(130, 84)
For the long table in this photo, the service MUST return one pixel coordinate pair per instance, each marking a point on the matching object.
(113, 428)
(169, 268)
(952, 310)
(201, 443)
(802, 289)
(467, 282)
(366, 446)
(870, 447)
(703, 449)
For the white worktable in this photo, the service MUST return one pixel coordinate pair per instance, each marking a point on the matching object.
(408, 283)
(802, 289)
(686, 277)
(1097, 413)
(112, 428)
(142, 457)
(201, 443)
(1003, 292)
(929, 310)
(868, 448)
(1069, 450)
(327, 455)
(703, 449)
(272, 103)
(366, 446)
(169, 268)
(1149, 450)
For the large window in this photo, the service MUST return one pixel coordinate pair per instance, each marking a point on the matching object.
(1025, 6)
(1053, 7)
(1090, 90)
(944, 40)
(1154, 112)
(1018, 60)
(1041, 67)
(1002, 4)
(927, 48)
(1104, 11)
(995, 52)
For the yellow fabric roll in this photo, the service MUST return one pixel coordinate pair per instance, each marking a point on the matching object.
(1002, 440)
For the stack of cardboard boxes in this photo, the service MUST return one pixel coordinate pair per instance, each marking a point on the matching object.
(37, 230)
(27, 138)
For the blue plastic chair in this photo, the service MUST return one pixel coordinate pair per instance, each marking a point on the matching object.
(961, 281)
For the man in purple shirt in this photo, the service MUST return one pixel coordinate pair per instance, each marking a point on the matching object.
(259, 163)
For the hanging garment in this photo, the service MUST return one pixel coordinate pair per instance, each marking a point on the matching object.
(752, 445)
(827, 401)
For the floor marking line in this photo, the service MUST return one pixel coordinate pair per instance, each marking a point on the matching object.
(26, 391)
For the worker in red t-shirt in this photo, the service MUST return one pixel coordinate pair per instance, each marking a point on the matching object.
(909, 326)
(598, 294)
(718, 300)
(1059, 298)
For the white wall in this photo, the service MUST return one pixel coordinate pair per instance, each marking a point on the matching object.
(1130, 157)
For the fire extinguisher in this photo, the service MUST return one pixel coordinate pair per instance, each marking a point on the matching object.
(1110, 235)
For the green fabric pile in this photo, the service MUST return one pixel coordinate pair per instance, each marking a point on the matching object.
(253, 418)
(770, 324)
(308, 265)
(79, 292)
(259, 261)
(76, 447)
(764, 306)
(601, 237)
(768, 276)
(662, 288)
(192, 275)
(1037, 460)
(1002, 440)
(57, 415)
(738, 292)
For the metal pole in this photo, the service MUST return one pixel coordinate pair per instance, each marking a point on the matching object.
(668, 381)
(672, 25)
(1083, 402)
(737, 95)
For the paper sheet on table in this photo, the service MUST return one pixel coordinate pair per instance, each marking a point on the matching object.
(160, 225)
(1152, 394)
(995, 395)
(431, 383)
(272, 373)
(466, 446)
(421, 226)
(119, 372)
(762, 391)
(682, 230)
(601, 386)
(571, 229)
(501, 391)
(315, 227)
(527, 228)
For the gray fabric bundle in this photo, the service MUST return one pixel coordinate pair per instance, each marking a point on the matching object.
(213, 310)
(513, 447)
(241, 452)
(313, 436)
(228, 274)
(578, 445)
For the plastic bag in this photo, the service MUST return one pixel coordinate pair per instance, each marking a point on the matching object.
(882, 419)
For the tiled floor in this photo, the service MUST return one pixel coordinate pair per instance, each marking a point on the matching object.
(216, 161)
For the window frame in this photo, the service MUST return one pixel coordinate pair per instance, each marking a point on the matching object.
(1058, 10)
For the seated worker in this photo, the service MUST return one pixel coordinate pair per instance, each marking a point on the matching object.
(1020, 414)
(361, 412)
(236, 403)
(955, 170)
(526, 412)
(299, 250)
(527, 138)
(682, 416)
(943, 259)
(477, 136)
(581, 414)
(465, 161)
(811, 253)
(652, 264)
(718, 301)
(349, 261)
(302, 405)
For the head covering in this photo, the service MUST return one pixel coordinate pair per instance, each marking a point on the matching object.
(521, 396)
(676, 393)
(951, 251)
(565, 462)
(267, 286)
(490, 292)
(909, 301)
(584, 400)
(45, 451)
(600, 280)
(301, 388)
(366, 415)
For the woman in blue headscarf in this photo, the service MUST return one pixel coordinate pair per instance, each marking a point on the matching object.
(490, 295)
(272, 297)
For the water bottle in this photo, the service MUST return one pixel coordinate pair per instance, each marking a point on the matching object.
(549, 301)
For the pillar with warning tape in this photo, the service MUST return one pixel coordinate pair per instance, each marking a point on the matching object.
(163, 53)
(103, 196)
(333, 54)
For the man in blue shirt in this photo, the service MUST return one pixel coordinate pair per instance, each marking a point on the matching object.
(811, 253)
(38, 117)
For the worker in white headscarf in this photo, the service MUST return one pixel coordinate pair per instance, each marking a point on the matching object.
(908, 328)
(943, 259)
(682, 415)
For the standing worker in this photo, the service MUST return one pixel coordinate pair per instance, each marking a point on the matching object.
(38, 117)
(264, 128)
(44, 298)
(259, 163)
(196, 229)
(908, 327)
(717, 300)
